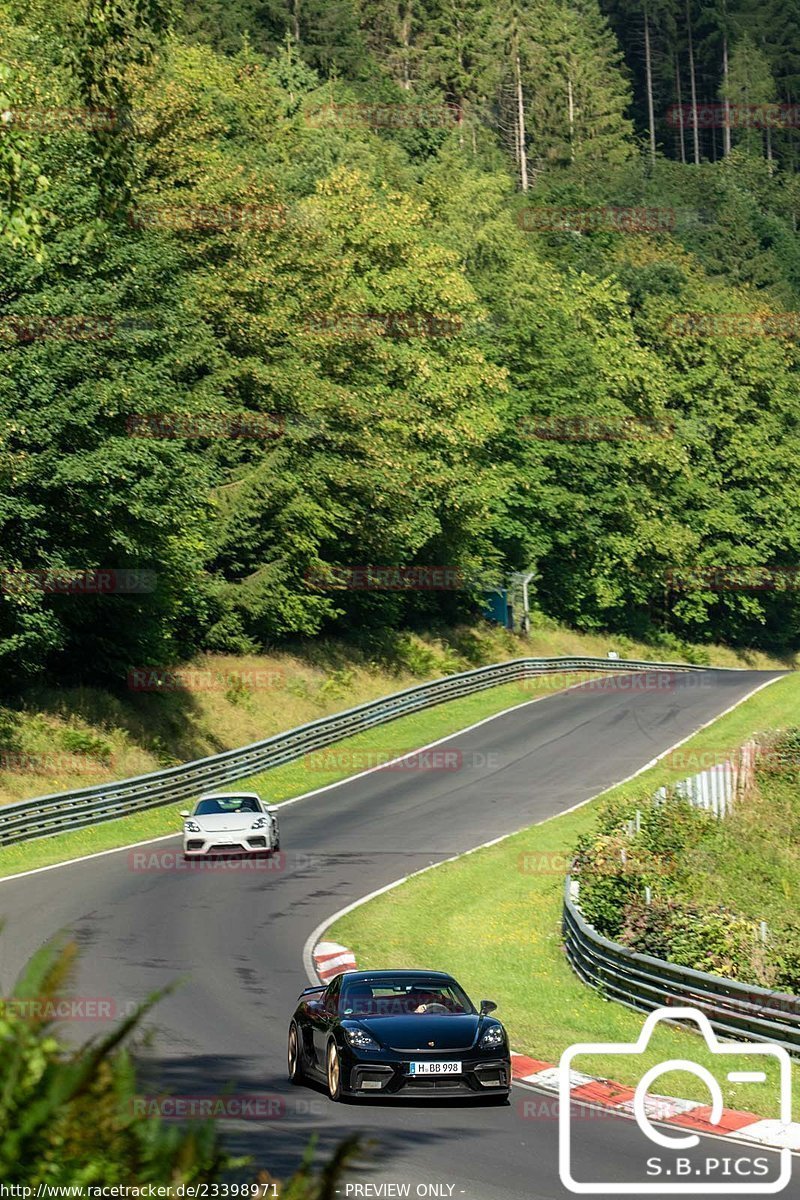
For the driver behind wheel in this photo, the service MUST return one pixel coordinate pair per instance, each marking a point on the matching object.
(359, 999)
(424, 1001)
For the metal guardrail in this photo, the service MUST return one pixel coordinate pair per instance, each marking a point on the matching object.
(47, 815)
(734, 1010)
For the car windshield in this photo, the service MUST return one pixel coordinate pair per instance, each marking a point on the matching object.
(227, 804)
(403, 997)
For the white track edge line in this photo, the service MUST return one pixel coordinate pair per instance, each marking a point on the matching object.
(68, 862)
(312, 939)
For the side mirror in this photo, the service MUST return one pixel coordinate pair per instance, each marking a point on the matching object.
(185, 812)
(487, 1006)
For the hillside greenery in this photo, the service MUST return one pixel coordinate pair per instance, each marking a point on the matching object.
(316, 218)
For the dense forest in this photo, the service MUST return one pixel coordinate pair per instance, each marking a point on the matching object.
(328, 316)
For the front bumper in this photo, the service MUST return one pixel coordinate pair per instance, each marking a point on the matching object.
(197, 844)
(482, 1076)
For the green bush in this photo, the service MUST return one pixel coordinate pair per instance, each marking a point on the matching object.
(611, 876)
(647, 928)
(718, 941)
(80, 741)
(671, 828)
(780, 756)
(617, 865)
(68, 1117)
(787, 960)
(713, 940)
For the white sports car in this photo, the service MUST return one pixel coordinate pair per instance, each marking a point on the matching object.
(230, 822)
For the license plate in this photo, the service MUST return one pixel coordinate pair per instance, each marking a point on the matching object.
(434, 1068)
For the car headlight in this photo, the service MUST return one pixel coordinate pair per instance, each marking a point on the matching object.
(261, 823)
(361, 1039)
(192, 827)
(493, 1037)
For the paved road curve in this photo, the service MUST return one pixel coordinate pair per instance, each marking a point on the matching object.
(236, 937)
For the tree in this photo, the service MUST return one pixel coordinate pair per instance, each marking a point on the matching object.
(751, 88)
(22, 185)
(112, 36)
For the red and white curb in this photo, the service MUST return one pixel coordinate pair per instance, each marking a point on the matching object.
(689, 1114)
(330, 959)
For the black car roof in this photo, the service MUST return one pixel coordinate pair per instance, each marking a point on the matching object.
(351, 976)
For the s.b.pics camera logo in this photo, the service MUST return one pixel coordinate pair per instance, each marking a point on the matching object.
(674, 1160)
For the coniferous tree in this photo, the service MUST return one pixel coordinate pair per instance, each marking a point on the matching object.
(751, 88)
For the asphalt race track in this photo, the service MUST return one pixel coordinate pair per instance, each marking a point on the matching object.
(236, 938)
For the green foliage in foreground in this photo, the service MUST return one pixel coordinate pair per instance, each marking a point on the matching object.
(69, 1117)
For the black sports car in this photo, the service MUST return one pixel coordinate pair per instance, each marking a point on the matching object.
(416, 1033)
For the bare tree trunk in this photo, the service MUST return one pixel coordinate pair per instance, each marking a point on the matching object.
(523, 162)
(571, 105)
(727, 129)
(681, 136)
(296, 20)
(693, 85)
(460, 102)
(405, 36)
(649, 74)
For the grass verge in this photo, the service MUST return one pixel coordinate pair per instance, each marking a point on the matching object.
(497, 928)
